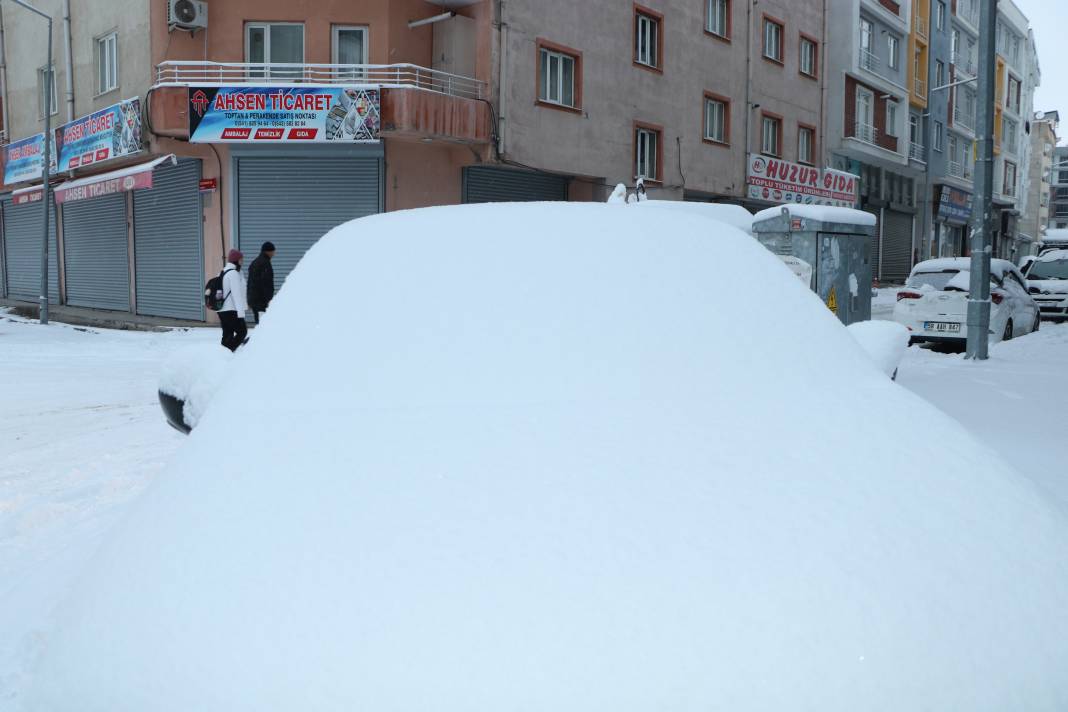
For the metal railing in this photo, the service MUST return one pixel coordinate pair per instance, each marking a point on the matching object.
(960, 170)
(919, 87)
(921, 25)
(866, 133)
(964, 64)
(917, 151)
(413, 76)
(964, 119)
(869, 60)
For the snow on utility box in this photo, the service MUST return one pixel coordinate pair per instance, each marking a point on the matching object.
(835, 242)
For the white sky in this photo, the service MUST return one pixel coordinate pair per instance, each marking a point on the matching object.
(1048, 19)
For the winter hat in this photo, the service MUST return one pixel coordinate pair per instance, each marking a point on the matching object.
(267, 247)
(234, 256)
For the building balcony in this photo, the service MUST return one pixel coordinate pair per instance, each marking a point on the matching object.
(416, 102)
(963, 119)
(866, 133)
(961, 171)
(919, 87)
(869, 60)
(965, 65)
(917, 152)
(920, 25)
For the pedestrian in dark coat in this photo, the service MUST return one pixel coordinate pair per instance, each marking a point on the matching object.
(261, 281)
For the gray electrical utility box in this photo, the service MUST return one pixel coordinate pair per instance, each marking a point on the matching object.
(838, 252)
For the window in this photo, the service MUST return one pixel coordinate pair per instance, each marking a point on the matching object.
(809, 65)
(717, 119)
(771, 136)
(718, 21)
(1009, 187)
(806, 145)
(940, 74)
(939, 135)
(865, 116)
(349, 46)
(868, 60)
(275, 43)
(1008, 134)
(891, 118)
(42, 81)
(647, 152)
(773, 40)
(558, 75)
(1012, 94)
(647, 45)
(107, 63)
(914, 129)
(940, 15)
(893, 48)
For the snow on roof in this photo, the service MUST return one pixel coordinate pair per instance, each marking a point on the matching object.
(1052, 256)
(1055, 235)
(824, 213)
(997, 267)
(540, 456)
(734, 215)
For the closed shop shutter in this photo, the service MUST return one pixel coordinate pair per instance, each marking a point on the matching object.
(486, 184)
(168, 243)
(897, 246)
(294, 201)
(22, 252)
(96, 253)
(876, 241)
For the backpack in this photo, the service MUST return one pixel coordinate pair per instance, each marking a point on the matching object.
(213, 292)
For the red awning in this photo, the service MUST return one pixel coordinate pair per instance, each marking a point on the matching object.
(118, 181)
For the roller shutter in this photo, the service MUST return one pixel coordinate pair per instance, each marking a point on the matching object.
(293, 201)
(897, 246)
(876, 242)
(487, 184)
(168, 243)
(22, 252)
(96, 253)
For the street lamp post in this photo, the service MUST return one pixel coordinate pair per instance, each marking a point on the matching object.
(45, 169)
(982, 213)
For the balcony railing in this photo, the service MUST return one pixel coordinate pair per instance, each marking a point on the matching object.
(917, 152)
(869, 60)
(921, 25)
(964, 64)
(387, 75)
(963, 119)
(866, 133)
(919, 87)
(960, 170)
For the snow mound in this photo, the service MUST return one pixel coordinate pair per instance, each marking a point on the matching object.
(884, 341)
(823, 213)
(540, 457)
(194, 374)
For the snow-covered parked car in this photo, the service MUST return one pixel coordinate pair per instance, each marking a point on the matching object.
(884, 341)
(536, 456)
(933, 304)
(189, 380)
(1047, 281)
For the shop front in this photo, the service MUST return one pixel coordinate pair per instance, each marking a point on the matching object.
(953, 212)
(770, 181)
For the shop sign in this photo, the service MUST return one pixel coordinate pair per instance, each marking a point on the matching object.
(108, 186)
(209, 185)
(238, 114)
(114, 132)
(776, 181)
(28, 196)
(954, 205)
(24, 159)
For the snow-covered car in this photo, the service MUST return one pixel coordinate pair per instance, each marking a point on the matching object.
(536, 456)
(1047, 281)
(189, 380)
(933, 304)
(884, 341)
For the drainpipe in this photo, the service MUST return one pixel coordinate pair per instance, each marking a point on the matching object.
(748, 82)
(502, 82)
(825, 156)
(68, 60)
(3, 74)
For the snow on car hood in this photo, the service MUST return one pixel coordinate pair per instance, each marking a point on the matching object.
(563, 456)
(1052, 286)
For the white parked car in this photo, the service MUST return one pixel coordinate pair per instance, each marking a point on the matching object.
(1047, 281)
(934, 302)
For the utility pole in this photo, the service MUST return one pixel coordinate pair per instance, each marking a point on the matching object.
(982, 211)
(45, 169)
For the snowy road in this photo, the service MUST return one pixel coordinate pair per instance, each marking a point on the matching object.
(81, 435)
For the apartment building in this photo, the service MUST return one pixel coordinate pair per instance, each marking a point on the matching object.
(1043, 141)
(872, 83)
(180, 137)
(1058, 212)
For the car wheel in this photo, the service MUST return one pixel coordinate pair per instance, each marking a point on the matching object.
(1038, 323)
(1008, 331)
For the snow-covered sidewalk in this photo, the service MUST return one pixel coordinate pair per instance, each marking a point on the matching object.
(81, 434)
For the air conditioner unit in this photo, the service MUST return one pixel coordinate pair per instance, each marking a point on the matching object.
(187, 14)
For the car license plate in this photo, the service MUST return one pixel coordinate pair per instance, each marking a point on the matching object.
(947, 327)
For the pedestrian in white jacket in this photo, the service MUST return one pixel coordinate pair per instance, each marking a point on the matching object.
(232, 314)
